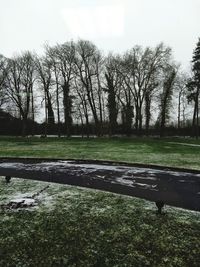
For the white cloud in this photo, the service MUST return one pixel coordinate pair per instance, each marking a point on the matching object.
(95, 22)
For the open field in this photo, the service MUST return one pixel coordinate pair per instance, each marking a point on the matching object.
(70, 226)
(166, 152)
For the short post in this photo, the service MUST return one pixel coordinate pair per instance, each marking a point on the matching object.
(8, 178)
(160, 204)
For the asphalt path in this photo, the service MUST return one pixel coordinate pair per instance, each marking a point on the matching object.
(176, 187)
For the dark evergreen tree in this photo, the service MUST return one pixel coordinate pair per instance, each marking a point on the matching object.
(127, 118)
(166, 98)
(193, 86)
(112, 105)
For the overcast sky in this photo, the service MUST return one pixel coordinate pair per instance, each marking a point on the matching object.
(113, 25)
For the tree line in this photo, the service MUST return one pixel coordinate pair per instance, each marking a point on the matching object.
(76, 84)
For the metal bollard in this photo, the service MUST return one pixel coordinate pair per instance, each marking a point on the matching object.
(160, 205)
(8, 178)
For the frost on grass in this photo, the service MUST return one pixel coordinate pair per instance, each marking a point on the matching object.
(184, 144)
(64, 197)
(90, 225)
(25, 191)
(44, 195)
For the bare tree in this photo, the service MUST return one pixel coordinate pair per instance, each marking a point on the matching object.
(88, 60)
(19, 85)
(45, 80)
(82, 104)
(141, 69)
(3, 73)
(80, 85)
(51, 54)
(64, 55)
(181, 96)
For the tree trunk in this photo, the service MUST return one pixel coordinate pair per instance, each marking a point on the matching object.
(197, 114)
(147, 113)
(179, 111)
(112, 106)
(140, 121)
(58, 107)
(24, 127)
(32, 111)
(67, 109)
(51, 118)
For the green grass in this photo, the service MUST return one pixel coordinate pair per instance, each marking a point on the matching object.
(136, 150)
(80, 227)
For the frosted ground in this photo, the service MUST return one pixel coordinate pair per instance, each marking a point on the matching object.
(84, 227)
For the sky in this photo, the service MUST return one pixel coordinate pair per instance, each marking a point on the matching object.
(113, 25)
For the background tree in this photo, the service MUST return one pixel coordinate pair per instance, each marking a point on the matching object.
(181, 96)
(166, 97)
(111, 87)
(88, 59)
(19, 85)
(82, 104)
(3, 73)
(45, 81)
(51, 54)
(193, 86)
(88, 93)
(65, 55)
(141, 69)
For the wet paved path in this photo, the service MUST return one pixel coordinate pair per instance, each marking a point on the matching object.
(173, 187)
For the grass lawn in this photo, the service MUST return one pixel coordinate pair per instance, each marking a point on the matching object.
(71, 226)
(79, 227)
(167, 152)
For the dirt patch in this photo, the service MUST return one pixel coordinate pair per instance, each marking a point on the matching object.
(19, 204)
(23, 201)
